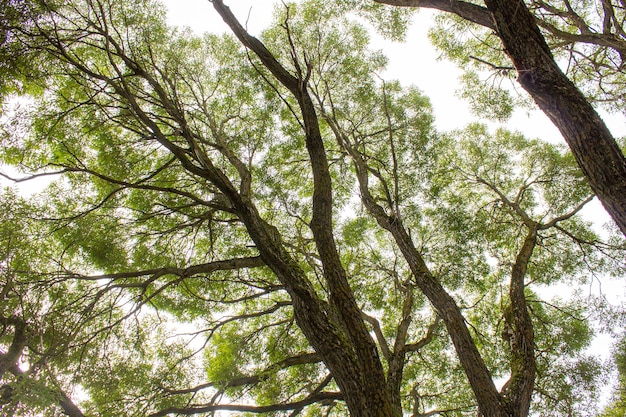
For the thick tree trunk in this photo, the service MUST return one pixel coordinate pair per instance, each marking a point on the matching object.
(522, 340)
(593, 146)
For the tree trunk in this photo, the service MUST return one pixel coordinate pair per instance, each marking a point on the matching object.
(345, 344)
(593, 146)
(591, 142)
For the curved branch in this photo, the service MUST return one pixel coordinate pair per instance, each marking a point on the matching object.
(430, 334)
(588, 137)
(380, 337)
(566, 216)
(600, 39)
(468, 11)
(9, 360)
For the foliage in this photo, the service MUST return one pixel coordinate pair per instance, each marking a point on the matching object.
(180, 262)
(587, 40)
(617, 406)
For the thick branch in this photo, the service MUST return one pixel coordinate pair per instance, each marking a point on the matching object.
(468, 11)
(430, 334)
(10, 359)
(522, 340)
(364, 389)
(69, 408)
(593, 146)
(397, 359)
(599, 39)
(378, 332)
(588, 137)
(566, 216)
(489, 400)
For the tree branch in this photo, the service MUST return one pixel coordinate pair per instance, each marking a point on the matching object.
(522, 341)
(468, 11)
(10, 359)
(208, 408)
(430, 334)
(206, 268)
(371, 393)
(301, 359)
(382, 342)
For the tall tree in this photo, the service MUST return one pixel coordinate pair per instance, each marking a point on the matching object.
(274, 229)
(596, 150)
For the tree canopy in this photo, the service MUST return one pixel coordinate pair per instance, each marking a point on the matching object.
(267, 226)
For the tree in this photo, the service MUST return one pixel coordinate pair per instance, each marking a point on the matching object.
(618, 401)
(518, 29)
(275, 229)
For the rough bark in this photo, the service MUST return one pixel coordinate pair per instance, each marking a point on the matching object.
(591, 142)
(522, 341)
(363, 382)
(588, 137)
(489, 400)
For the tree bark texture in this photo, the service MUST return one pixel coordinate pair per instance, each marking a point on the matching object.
(591, 142)
(523, 364)
(361, 378)
(594, 147)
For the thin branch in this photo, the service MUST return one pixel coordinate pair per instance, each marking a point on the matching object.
(208, 408)
(566, 216)
(206, 268)
(301, 359)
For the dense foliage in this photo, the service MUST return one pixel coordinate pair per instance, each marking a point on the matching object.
(268, 226)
